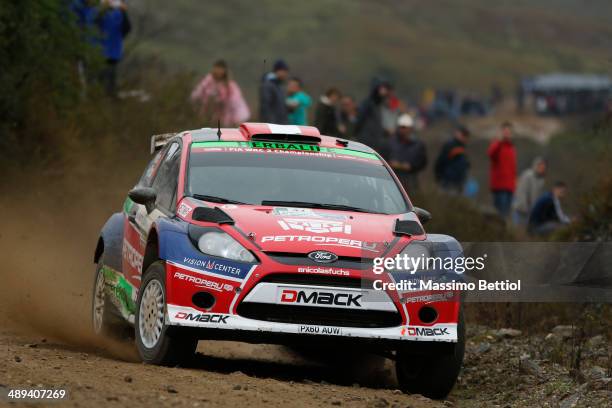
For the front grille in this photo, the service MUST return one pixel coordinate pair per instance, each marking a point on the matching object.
(324, 316)
(293, 258)
(317, 280)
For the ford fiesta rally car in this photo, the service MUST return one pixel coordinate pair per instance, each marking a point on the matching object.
(267, 234)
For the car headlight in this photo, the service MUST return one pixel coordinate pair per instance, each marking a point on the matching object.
(222, 245)
(413, 258)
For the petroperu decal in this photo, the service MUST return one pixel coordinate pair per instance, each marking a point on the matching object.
(326, 330)
(204, 283)
(133, 258)
(184, 210)
(202, 317)
(315, 226)
(433, 297)
(324, 271)
(320, 297)
(219, 267)
(424, 331)
(322, 240)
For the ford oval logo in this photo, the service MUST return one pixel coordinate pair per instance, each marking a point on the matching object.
(323, 256)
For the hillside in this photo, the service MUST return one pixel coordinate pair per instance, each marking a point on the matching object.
(469, 44)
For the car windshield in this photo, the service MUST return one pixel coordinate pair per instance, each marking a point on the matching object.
(330, 178)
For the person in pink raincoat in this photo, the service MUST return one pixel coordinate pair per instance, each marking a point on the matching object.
(219, 98)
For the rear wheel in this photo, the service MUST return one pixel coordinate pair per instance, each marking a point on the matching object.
(104, 322)
(157, 342)
(431, 375)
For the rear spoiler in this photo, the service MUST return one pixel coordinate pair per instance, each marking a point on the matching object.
(158, 141)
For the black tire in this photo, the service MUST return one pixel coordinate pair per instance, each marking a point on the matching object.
(107, 324)
(173, 346)
(432, 375)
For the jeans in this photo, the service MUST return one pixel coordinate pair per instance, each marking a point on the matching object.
(502, 200)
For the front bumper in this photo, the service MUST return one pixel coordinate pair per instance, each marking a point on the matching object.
(191, 317)
(226, 321)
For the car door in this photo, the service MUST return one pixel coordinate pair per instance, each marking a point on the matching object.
(163, 179)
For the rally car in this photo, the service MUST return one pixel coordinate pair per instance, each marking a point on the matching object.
(268, 233)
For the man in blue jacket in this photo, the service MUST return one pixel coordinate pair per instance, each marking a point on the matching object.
(114, 25)
(104, 25)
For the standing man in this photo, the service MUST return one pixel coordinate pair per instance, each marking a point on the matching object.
(369, 127)
(298, 102)
(348, 117)
(502, 176)
(452, 164)
(326, 114)
(408, 156)
(530, 186)
(114, 25)
(272, 104)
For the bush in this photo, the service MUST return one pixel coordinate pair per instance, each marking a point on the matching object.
(40, 45)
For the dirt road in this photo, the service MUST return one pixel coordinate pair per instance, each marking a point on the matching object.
(46, 241)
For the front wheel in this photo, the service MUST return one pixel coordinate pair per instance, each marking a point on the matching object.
(434, 375)
(157, 343)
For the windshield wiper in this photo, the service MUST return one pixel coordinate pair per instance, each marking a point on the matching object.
(214, 199)
(306, 204)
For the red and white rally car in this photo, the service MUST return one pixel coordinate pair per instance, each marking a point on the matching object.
(268, 234)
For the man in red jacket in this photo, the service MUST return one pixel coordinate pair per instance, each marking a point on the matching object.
(502, 178)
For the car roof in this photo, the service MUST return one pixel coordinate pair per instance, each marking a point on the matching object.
(250, 131)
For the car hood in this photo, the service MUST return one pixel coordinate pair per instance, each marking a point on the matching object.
(302, 230)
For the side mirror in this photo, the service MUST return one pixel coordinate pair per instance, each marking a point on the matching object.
(145, 196)
(422, 214)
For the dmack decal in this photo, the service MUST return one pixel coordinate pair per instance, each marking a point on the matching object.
(133, 258)
(202, 317)
(320, 298)
(332, 241)
(424, 331)
(315, 226)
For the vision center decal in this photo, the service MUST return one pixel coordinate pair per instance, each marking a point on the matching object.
(225, 267)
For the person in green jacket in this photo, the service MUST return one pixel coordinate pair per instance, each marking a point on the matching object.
(298, 102)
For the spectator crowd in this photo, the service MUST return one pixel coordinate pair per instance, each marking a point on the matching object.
(381, 120)
(385, 123)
